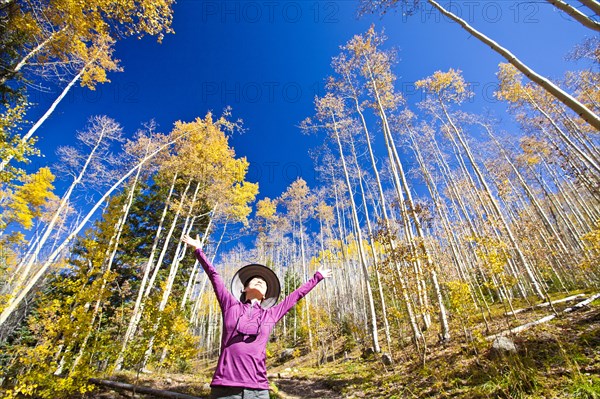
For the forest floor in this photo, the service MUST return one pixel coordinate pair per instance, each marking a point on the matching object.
(557, 359)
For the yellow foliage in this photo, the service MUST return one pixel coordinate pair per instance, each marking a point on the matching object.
(204, 155)
(325, 212)
(326, 257)
(449, 86)
(585, 84)
(510, 87)
(352, 246)
(99, 60)
(25, 24)
(592, 247)
(176, 337)
(28, 200)
(242, 194)
(533, 151)
(459, 295)
(11, 118)
(494, 254)
(11, 143)
(375, 65)
(72, 31)
(321, 324)
(266, 208)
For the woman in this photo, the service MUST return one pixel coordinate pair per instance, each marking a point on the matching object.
(249, 315)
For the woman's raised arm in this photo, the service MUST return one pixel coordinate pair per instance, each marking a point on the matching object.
(223, 295)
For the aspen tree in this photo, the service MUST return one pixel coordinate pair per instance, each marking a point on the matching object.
(178, 255)
(377, 70)
(373, 244)
(113, 247)
(298, 201)
(341, 242)
(534, 153)
(454, 193)
(447, 88)
(487, 215)
(561, 95)
(512, 89)
(196, 266)
(60, 30)
(517, 209)
(592, 5)
(532, 198)
(576, 14)
(584, 83)
(139, 304)
(7, 312)
(348, 87)
(137, 149)
(69, 38)
(325, 216)
(102, 50)
(101, 132)
(376, 67)
(331, 111)
(344, 239)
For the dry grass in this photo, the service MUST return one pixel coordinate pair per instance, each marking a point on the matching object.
(559, 359)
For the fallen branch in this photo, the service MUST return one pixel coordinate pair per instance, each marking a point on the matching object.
(541, 305)
(582, 304)
(140, 389)
(542, 320)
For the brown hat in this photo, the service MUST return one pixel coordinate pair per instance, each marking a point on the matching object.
(255, 270)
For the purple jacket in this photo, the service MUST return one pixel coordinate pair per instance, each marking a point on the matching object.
(243, 357)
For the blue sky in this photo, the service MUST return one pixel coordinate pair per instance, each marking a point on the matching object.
(267, 59)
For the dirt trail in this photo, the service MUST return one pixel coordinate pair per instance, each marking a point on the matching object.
(293, 388)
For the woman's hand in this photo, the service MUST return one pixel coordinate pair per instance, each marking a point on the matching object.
(326, 273)
(193, 242)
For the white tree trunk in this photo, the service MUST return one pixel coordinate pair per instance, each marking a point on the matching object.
(52, 258)
(564, 97)
(50, 227)
(116, 238)
(576, 14)
(498, 212)
(361, 250)
(33, 52)
(49, 112)
(138, 308)
(178, 256)
(593, 5)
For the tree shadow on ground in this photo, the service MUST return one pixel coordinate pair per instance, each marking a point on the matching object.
(313, 389)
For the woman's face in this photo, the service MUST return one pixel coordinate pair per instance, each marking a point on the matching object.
(257, 284)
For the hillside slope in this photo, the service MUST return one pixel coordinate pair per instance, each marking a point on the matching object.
(558, 359)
